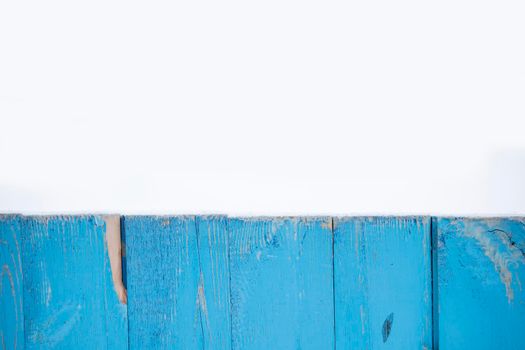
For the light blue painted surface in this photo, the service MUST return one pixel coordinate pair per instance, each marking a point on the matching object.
(281, 280)
(481, 290)
(382, 269)
(214, 282)
(162, 279)
(178, 282)
(66, 303)
(11, 284)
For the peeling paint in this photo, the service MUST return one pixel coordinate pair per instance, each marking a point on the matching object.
(114, 245)
(201, 301)
(497, 247)
(328, 224)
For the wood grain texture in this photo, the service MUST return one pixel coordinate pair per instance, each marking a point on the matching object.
(178, 282)
(162, 279)
(68, 300)
(481, 283)
(382, 270)
(214, 281)
(11, 284)
(281, 283)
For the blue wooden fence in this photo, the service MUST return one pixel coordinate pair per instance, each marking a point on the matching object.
(213, 282)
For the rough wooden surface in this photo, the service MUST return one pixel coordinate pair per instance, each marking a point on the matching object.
(382, 283)
(162, 281)
(212, 282)
(68, 302)
(178, 282)
(281, 280)
(481, 283)
(11, 284)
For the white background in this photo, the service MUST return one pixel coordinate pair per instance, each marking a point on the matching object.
(263, 107)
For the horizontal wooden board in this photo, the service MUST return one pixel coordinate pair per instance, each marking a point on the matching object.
(480, 296)
(382, 270)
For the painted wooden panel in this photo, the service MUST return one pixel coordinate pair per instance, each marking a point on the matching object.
(178, 282)
(68, 301)
(162, 280)
(281, 283)
(382, 269)
(257, 283)
(214, 281)
(11, 284)
(116, 312)
(480, 299)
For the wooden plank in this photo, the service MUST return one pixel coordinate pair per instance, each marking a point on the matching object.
(481, 277)
(11, 284)
(116, 311)
(382, 269)
(281, 283)
(214, 282)
(178, 282)
(162, 278)
(66, 286)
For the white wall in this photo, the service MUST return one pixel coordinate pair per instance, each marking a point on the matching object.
(262, 107)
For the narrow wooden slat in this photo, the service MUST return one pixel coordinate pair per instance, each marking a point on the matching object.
(281, 282)
(66, 285)
(116, 312)
(162, 279)
(11, 284)
(481, 283)
(178, 282)
(214, 282)
(382, 269)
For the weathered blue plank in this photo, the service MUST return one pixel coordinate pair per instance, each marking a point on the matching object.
(481, 271)
(163, 278)
(178, 282)
(214, 282)
(116, 311)
(281, 283)
(382, 269)
(11, 284)
(65, 284)
(56, 287)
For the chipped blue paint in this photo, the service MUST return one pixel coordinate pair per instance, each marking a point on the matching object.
(382, 279)
(212, 282)
(66, 303)
(116, 312)
(481, 272)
